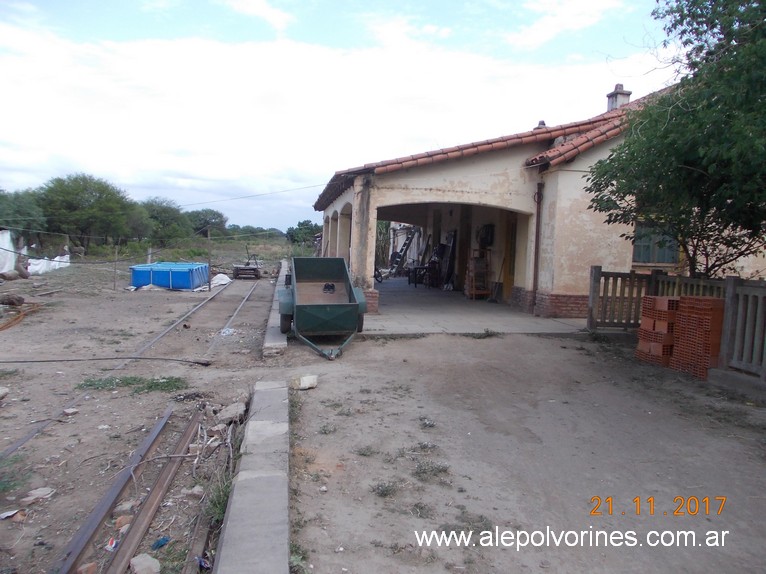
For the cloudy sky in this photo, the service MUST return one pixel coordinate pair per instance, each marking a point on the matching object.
(249, 106)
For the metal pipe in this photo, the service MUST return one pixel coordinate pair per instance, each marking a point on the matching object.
(538, 197)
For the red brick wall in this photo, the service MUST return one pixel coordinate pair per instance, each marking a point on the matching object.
(553, 305)
(372, 296)
(550, 304)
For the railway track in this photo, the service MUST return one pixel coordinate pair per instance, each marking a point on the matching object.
(216, 331)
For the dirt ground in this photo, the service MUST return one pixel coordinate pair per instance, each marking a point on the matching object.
(519, 434)
(85, 329)
(447, 433)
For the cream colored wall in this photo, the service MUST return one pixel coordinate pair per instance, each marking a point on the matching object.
(574, 237)
(493, 179)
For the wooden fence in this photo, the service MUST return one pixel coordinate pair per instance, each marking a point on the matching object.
(615, 301)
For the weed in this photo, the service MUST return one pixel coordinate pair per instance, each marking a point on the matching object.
(331, 404)
(426, 423)
(597, 337)
(466, 522)
(327, 428)
(6, 373)
(425, 470)
(219, 490)
(425, 445)
(384, 488)
(422, 510)
(345, 412)
(10, 478)
(487, 334)
(294, 406)
(173, 558)
(366, 451)
(298, 559)
(139, 384)
(365, 391)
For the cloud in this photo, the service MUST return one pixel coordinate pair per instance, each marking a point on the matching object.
(556, 17)
(277, 19)
(197, 120)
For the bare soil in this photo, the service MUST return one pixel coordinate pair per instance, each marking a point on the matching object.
(443, 433)
(519, 434)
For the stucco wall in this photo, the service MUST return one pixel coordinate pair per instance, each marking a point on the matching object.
(497, 179)
(574, 236)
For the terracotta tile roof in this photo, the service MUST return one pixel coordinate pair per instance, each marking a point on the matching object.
(580, 136)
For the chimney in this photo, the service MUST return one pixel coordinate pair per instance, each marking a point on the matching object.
(618, 98)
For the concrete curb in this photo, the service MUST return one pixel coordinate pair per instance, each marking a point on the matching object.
(274, 342)
(256, 532)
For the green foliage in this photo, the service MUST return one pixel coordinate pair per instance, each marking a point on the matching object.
(304, 232)
(138, 384)
(22, 212)
(10, 476)
(169, 222)
(691, 166)
(204, 219)
(86, 208)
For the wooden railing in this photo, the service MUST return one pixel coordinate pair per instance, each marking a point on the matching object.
(677, 286)
(615, 301)
(744, 326)
(615, 298)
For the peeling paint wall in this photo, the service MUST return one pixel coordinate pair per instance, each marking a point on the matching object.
(578, 237)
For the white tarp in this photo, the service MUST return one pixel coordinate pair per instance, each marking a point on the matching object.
(40, 266)
(7, 253)
(35, 266)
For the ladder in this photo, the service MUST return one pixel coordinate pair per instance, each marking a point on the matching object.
(401, 255)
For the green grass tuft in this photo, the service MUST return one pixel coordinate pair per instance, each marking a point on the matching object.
(138, 384)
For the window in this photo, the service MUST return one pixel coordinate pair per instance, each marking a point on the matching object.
(653, 247)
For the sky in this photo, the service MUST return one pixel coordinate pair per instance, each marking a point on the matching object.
(249, 107)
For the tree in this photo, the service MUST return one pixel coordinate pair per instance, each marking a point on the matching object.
(304, 232)
(691, 165)
(204, 219)
(85, 207)
(21, 212)
(169, 222)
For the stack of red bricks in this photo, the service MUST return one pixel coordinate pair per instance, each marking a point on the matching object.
(656, 333)
(697, 335)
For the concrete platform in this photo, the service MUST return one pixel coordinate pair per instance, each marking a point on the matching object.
(408, 310)
(256, 533)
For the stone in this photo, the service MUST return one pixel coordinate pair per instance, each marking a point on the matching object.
(89, 568)
(37, 494)
(144, 564)
(123, 520)
(4, 392)
(126, 506)
(70, 412)
(219, 430)
(197, 492)
(233, 412)
(304, 383)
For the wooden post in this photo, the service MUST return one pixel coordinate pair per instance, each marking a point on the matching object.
(729, 320)
(115, 267)
(209, 260)
(595, 284)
